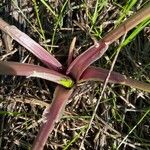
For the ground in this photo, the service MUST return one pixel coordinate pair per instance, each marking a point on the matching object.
(122, 120)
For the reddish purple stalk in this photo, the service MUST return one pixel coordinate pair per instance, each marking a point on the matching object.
(30, 70)
(31, 45)
(52, 115)
(77, 67)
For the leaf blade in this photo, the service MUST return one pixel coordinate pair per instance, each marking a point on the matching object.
(78, 66)
(61, 95)
(30, 70)
(100, 74)
(93, 53)
(30, 45)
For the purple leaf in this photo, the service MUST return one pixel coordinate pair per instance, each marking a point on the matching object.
(99, 74)
(31, 45)
(52, 115)
(96, 51)
(130, 23)
(30, 70)
(77, 67)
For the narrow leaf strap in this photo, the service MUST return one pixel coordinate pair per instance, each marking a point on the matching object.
(30, 70)
(30, 45)
(130, 23)
(51, 116)
(78, 66)
(100, 74)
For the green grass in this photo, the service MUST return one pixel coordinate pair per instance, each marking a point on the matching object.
(122, 117)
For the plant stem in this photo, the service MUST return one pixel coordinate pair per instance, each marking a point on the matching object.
(138, 84)
(130, 23)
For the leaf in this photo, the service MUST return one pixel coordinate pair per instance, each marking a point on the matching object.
(30, 45)
(77, 67)
(100, 74)
(30, 70)
(70, 55)
(51, 116)
(129, 24)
